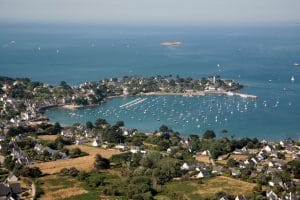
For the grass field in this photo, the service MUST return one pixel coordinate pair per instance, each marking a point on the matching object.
(191, 190)
(84, 163)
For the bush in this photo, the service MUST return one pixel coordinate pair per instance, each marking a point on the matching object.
(70, 172)
(83, 176)
(33, 172)
(111, 191)
(231, 162)
(38, 191)
(95, 180)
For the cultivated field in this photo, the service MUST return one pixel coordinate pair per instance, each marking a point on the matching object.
(82, 163)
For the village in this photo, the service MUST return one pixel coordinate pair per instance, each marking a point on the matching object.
(151, 165)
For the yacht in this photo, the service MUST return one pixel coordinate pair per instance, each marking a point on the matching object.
(293, 79)
(296, 64)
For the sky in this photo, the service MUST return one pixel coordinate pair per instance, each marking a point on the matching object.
(151, 11)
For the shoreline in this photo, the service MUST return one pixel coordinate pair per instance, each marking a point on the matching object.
(199, 93)
(184, 94)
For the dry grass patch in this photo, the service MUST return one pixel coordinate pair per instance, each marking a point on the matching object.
(228, 185)
(84, 163)
(64, 193)
(235, 157)
(106, 153)
(202, 158)
(50, 138)
(57, 187)
(239, 157)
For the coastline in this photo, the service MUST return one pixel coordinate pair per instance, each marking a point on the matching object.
(199, 93)
(186, 94)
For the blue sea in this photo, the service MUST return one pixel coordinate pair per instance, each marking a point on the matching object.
(258, 56)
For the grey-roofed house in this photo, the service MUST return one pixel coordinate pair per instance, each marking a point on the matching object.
(4, 191)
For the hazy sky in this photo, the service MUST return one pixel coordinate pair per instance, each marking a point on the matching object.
(152, 11)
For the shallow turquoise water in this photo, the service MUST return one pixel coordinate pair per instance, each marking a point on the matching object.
(260, 57)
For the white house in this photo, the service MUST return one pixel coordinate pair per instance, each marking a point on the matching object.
(203, 174)
(217, 170)
(275, 181)
(269, 148)
(96, 142)
(290, 196)
(134, 149)
(89, 134)
(240, 197)
(205, 153)
(235, 172)
(121, 147)
(12, 178)
(224, 198)
(169, 150)
(80, 141)
(271, 195)
(185, 166)
(66, 133)
(285, 143)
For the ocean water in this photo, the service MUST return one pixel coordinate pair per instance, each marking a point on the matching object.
(258, 56)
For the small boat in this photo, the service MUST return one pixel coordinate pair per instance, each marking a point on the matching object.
(293, 79)
(296, 64)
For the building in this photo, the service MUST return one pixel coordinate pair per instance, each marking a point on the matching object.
(11, 179)
(203, 174)
(271, 195)
(240, 197)
(235, 172)
(97, 142)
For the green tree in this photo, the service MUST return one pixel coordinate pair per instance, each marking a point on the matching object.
(163, 145)
(95, 180)
(89, 125)
(56, 128)
(33, 172)
(231, 162)
(100, 122)
(209, 134)
(120, 124)
(101, 163)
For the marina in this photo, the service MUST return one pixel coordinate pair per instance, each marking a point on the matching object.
(185, 114)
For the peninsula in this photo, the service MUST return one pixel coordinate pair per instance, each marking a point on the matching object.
(23, 99)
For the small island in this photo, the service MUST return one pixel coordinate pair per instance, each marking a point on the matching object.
(168, 43)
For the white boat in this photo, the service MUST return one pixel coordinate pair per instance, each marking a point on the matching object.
(293, 79)
(229, 93)
(296, 64)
